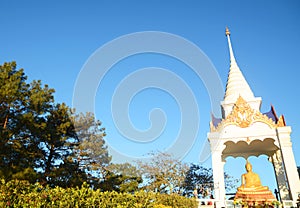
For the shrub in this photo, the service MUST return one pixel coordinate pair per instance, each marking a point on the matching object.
(17, 193)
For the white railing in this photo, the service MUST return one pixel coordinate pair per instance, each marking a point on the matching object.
(287, 204)
(229, 204)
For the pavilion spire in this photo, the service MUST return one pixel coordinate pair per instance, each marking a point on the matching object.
(236, 83)
(227, 32)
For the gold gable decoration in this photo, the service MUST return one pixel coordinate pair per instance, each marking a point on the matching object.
(281, 122)
(243, 115)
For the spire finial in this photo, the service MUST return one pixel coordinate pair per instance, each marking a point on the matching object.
(227, 32)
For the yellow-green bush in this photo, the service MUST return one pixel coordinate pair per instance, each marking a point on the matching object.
(23, 194)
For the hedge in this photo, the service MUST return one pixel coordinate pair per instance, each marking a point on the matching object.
(23, 194)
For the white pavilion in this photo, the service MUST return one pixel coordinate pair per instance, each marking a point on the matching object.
(245, 131)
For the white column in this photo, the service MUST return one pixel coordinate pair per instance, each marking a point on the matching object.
(276, 160)
(218, 175)
(290, 167)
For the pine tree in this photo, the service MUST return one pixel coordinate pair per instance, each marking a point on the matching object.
(41, 140)
(22, 107)
(91, 153)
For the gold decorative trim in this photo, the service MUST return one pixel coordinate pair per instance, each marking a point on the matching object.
(255, 192)
(281, 122)
(248, 140)
(227, 32)
(243, 115)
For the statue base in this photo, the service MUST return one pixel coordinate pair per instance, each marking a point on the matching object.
(255, 196)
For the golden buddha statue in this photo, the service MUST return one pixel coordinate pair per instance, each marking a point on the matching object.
(251, 189)
(251, 180)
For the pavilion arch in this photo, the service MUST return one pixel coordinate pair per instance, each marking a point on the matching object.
(246, 149)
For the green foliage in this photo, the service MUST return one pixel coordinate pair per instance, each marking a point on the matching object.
(263, 204)
(56, 144)
(22, 107)
(41, 140)
(37, 136)
(127, 177)
(23, 194)
(91, 153)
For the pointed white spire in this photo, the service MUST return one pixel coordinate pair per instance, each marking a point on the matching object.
(227, 32)
(236, 83)
(237, 86)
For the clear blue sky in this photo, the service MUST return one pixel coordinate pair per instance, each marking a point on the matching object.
(52, 40)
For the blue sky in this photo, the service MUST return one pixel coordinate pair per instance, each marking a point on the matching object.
(53, 40)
